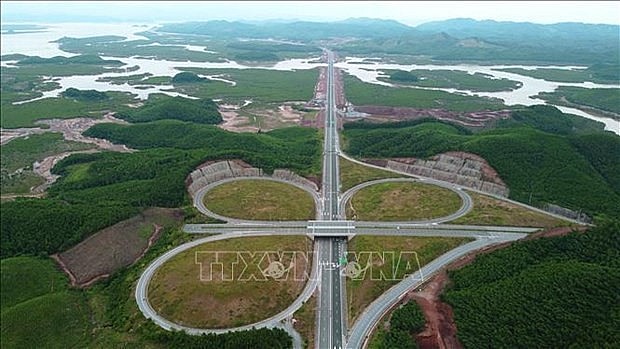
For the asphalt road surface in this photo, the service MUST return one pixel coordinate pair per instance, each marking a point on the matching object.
(330, 324)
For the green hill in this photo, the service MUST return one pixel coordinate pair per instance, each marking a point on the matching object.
(202, 111)
(546, 293)
(564, 168)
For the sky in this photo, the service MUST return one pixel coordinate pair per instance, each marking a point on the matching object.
(411, 13)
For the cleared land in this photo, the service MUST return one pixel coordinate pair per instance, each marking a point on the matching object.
(352, 174)
(490, 211)
(362, 291)
(17, 158)
(402, 201)
(229, 297)
(260, 200)
(117, 246)
(24, 115)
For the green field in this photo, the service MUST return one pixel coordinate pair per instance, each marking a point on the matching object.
(182, 291)
(58, 320)
(35, 298)
(352, 174)
(456, 79)
(604, 99)
(260, 200)
(565, 75)
(490, 211)
(363, 290)
(258, 85)
(361, 93)
(25, 278)
(24, 115)
(21, 153)
(404, 201)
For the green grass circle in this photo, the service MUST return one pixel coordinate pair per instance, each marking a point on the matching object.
(260, 200)
(402, 201)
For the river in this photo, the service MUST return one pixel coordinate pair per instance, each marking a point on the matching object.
(40, 44)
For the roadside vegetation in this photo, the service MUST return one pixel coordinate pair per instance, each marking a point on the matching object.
(100, 189)
(491, 211)
(398, 327)
(305, 324)
(370, 284)
(36, 298)
(404, 201)
(352, 174)
(542, 155)
(183, 290)
(260, 200)
(541, 293)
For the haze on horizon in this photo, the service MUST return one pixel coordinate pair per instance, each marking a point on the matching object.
(410, 13)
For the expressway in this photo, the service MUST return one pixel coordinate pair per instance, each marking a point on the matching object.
(325, 276)
(330, 329)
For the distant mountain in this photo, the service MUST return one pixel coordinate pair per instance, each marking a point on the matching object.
(451, 40)
(299, 30)
(560, 34)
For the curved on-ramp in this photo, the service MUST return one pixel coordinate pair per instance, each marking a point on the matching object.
(467, 202)
(147, 310)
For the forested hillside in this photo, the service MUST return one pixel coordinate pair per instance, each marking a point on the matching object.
(559, 292)
(560, 166)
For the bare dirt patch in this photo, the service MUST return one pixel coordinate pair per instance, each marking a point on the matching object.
(380, 114)
(115, 247)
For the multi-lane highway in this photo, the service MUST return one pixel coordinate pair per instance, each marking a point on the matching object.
(330, 327)
(325, 275)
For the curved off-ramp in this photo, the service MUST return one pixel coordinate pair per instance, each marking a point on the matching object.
(276, 320)
(362, 328)
(467, 202)
(200, 205)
